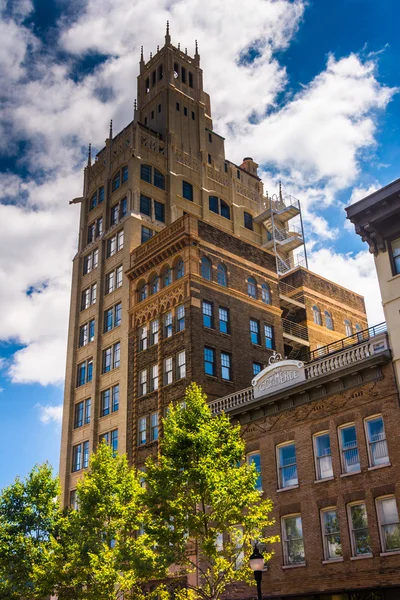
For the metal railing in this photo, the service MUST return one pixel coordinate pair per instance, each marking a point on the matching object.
(291, 292)
(288, 263)
(356, 338)
(295, 329)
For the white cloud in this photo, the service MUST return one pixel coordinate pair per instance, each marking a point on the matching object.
(353, 271)
(50, 414)
(361, 192)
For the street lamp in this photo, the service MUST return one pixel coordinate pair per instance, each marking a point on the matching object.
(256, 563)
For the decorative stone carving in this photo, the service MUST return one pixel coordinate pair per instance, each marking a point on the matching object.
(153, 143)
(187, 160)
(279, 374)
(217, 176)
(247, 192)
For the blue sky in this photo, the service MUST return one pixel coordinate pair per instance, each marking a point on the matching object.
(309, 89)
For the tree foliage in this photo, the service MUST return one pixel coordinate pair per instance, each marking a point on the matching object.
(199, 489)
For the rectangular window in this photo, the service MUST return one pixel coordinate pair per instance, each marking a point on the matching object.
(180, 318)
(287, 465)
(91, 233)
(108, 320)
(159, 211)
(118, 277)
(209, 361)
(116, 182)
(76, 458)
(117, 314)
(193, 116)
(152, 114)
(207, 314)
(359, 531)
(110, 282)
(145, 173)
(190, 79)
(114, 214)
(88, 405)
(226, 366)
(183, 75)
(143, 338)
(255, 332)
(213, 204)
(146, 234)
(115, 398)
(116, 355)
(101, 195)
(389, 526)
(78, 417)
(114, 441)
(111, 246)
(223, 320)
(395, 255)
(123, 208)
(99, 226)
(293, 542)
(84, 335)
(89, 296)
(257, 368)
(153, 378)
(107, 360)
(153, 332)
(187, 190)
(105, 403)
(93, 201)
(85, 461)
(323, 456)
(111, 357)
(248, 221)
(331, 534)
(143, 382)
(177, 106)
(73, 500)
(91, 330)
(209, 159)
(168, 324)
(120, 240)
(181, 365)
(185, 111)
(255, 459)
(349, 449)
(142, 431)
(376, 437)
(145, 205)
(84, 372)
(154, 426)
(90, 261)
(168, 371)
(269, 336)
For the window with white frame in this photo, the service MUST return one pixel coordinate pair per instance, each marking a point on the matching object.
(115, 243)
(82, 413)
(154, 332)
(389, 526)
(254, 458)
(84, 372)
(86, 333)
(154, 426)
(293, 542)
(142, 431)
(317, 315)
(255, 332)
(348, 328)
(287, 465)
(168, 378)
(142, 338)
(111, 357)
(252, 287)
(80, 456)
(143, 382)
(226, 369)
(90, 261)
(89, 296)
(376, 437)
(168, 324)
(223, 314)
(350, 458)
(109, 400)
(269, 336)
(359, 531)
(181, 365)
(153, 378)
(331, 534)
(207, 314)
(180, 318)
(323, 455)
(113, 280)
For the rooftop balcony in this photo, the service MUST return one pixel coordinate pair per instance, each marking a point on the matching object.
(283, 208)
(344, 355)
(290, 296)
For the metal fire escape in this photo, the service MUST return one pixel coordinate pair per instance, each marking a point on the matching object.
(284, 235)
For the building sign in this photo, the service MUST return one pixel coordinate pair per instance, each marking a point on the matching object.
(278, 375)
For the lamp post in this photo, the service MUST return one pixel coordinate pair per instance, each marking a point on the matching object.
(256, 562)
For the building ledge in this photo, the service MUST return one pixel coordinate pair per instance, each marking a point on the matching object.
(332, 561)
(285, 567)
(323, 480)
(363, 557)
(379, 466)
(287, 489)
(350, 474)
(394, 553)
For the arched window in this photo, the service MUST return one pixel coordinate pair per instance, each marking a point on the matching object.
(222, 276)
(167, 276)
(328, 320)
(116, 182)
(206, 268)
(154, 284)
(317, 315)
(225, 210)
(265, 293)
(179, 269)
(159, 179)
(252, 287)
(142, 291)
(358, 330)
(348, 327)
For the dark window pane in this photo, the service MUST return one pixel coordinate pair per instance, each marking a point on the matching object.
(159, 179)
(213, 204)
(145, 173)
(146, 234)
(248, 221)
(187, 190)
(159, 211)
(124, 174)
(225, 210)
(145, 205)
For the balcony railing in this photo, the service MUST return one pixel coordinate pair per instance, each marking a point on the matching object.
(318, 367)
(295, 329)
(291, 292)
(286, 264)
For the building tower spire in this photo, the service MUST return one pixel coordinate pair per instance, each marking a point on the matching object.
(111, 131)
(89, 160)
(167, 35)
(196, 53)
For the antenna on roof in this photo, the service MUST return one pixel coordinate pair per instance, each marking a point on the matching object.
(196, 49)
(167, 35)
(151, 55)
(89, 160)
(111, 134)
(179, 45)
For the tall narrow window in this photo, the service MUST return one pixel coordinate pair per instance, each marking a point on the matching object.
(88, 404)
(115, 398)
(180, 318)
(255, 459)
(85, 461)
(159, 211)
(206, 268)
(117, 314)
(287, 465)
(143, 382)
(147, 234)
(265, 293)
(323, 455)
(225, 210)
(348, 328)
(159, 179)
(209, 361)
(223, 314)
(187, 190)
(181, 365)
(395, 255)
(168, 324)
(331, 534)
(179, 269)
(154, 426)
(114, 441)
(226, 370)
(252, 287)
(76, 458)
(222, 276)
(78, 417)
(145, 173)
(349, 449)
(145, 205)
(153, 378)
(105, 404)
(388, 518)
(142, 431)
(154, 332)
(269, 336)
(167, 276)
(168, 375)
(328, 320)
(154, 284)
(377, 447)
(142, 291)
(255, 332)
(143, 338)
(359, 530)
(124, 174)
(190, 79)
(207, 314)
(116, 182)
(293, 543)
(101, 194)
(213, 204)
(248, 221)
(316, 315)
(257, 368)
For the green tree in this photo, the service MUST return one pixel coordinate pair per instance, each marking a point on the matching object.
(29, 516)
(201, 498)
(98, 554)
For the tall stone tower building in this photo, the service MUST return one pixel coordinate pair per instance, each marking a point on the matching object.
(182, 262)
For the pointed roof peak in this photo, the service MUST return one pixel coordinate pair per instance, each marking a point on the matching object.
(167, 35)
